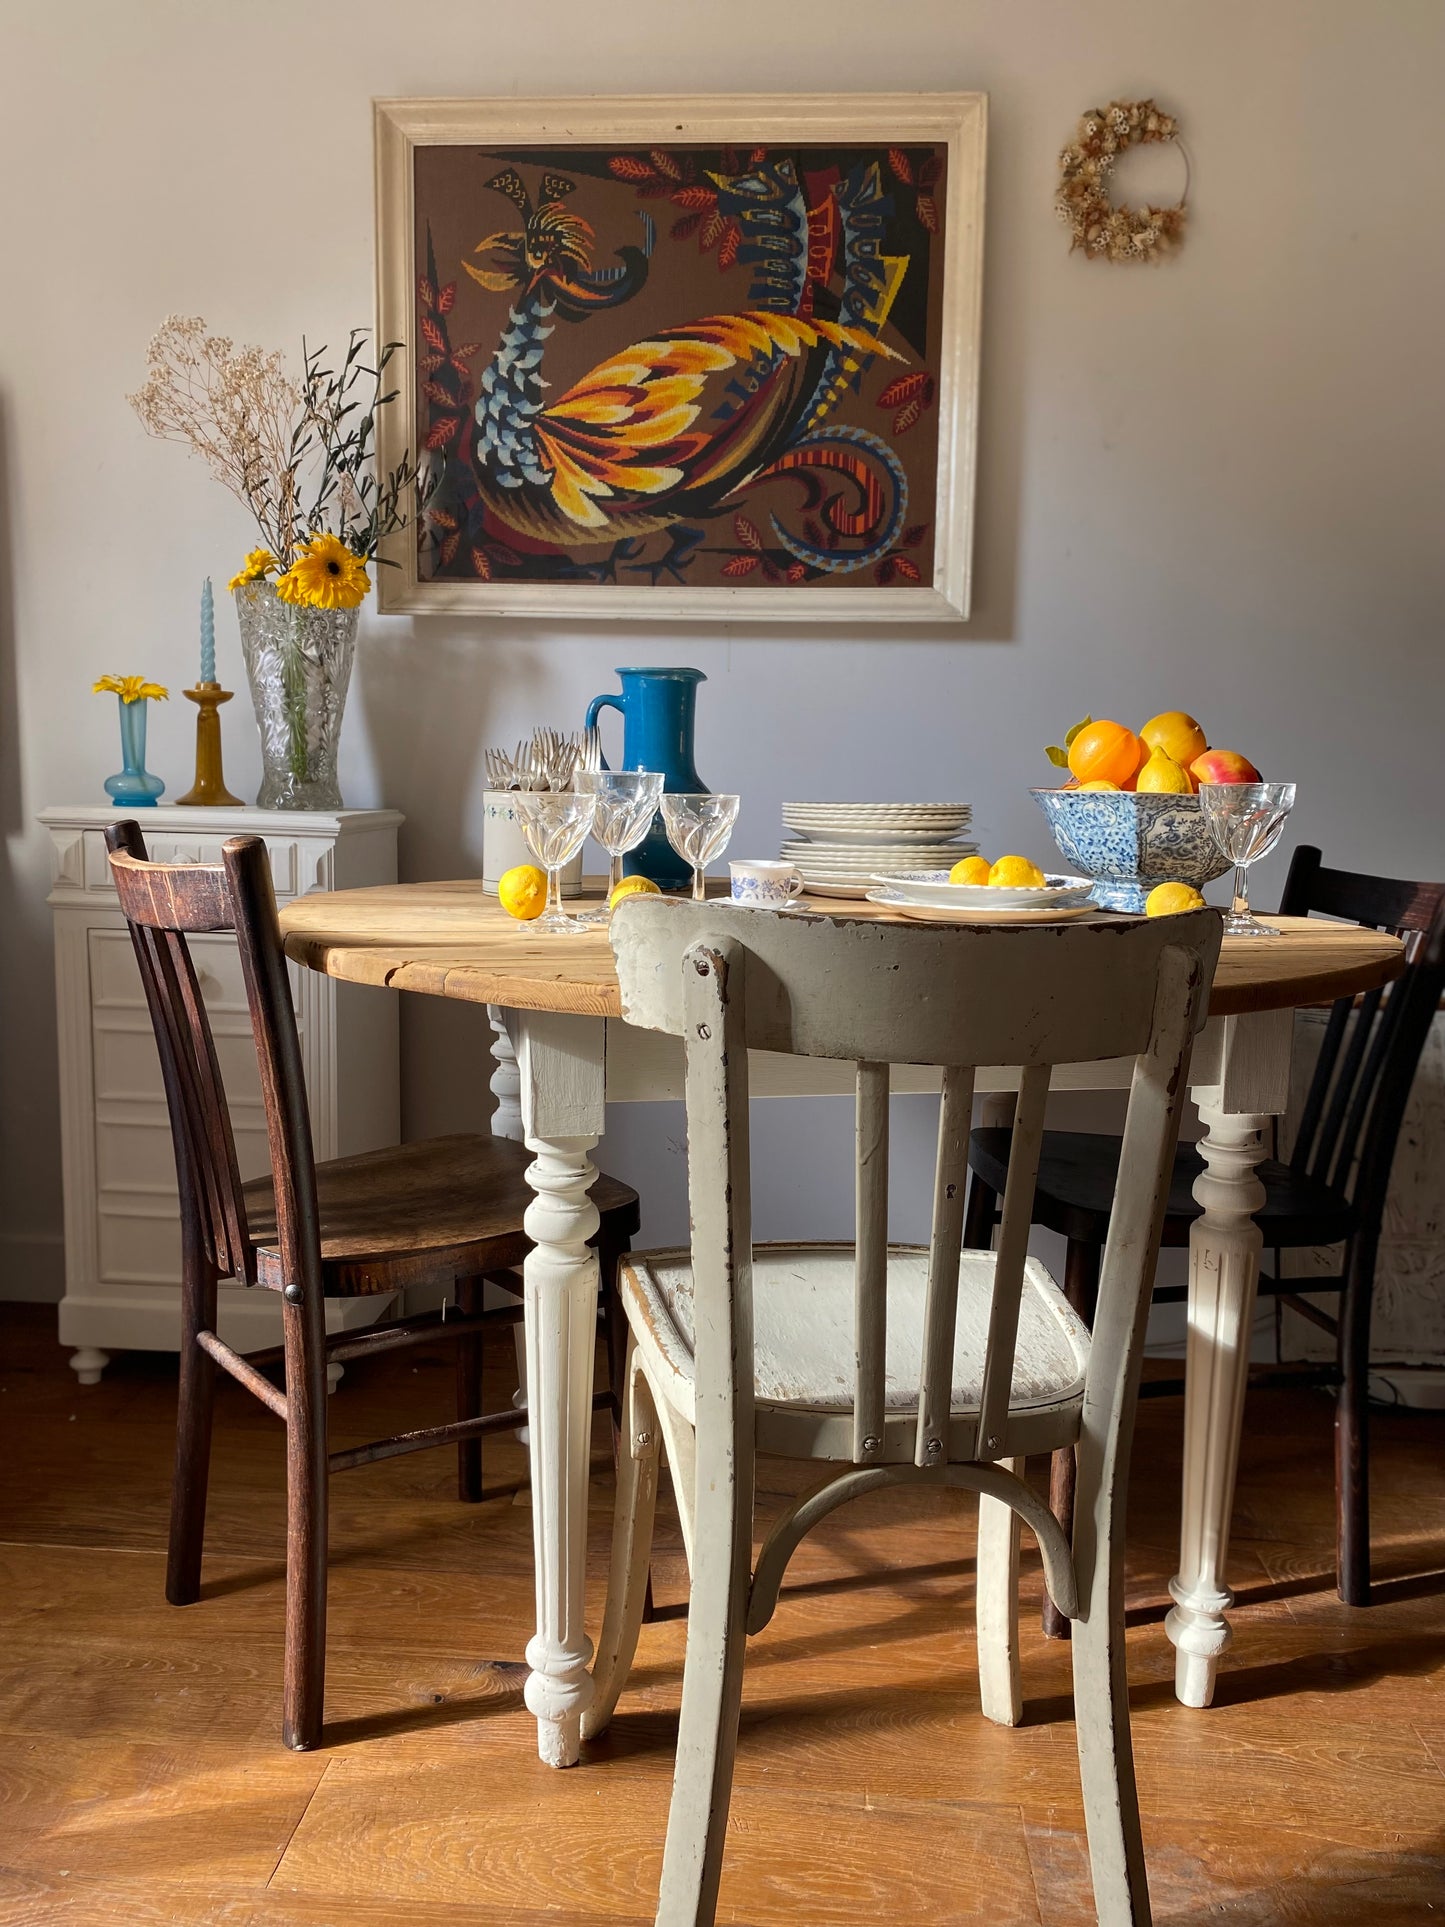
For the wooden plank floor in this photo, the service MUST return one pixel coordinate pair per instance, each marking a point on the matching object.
(142, 1780)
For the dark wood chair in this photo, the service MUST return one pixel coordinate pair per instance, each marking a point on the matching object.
(444, 1212)
(1331, 1191)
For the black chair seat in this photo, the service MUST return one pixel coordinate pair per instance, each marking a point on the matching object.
(1078, 1171)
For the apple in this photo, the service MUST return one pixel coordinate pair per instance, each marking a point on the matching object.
(1223, 766)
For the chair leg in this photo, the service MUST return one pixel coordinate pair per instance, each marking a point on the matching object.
(469, 1392)
(996, 1607)
(1352, 1428)
(193, 1429)
(1101, 1714)
(712, 1685)
(1081, 1288)
(978, 1215)
(631, 1545)
(304, 1333)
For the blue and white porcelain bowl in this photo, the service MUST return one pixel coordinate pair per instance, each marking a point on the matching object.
(1128, 842)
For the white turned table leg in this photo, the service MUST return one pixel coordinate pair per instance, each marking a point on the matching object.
(507, 1122)
(1240, 1079)
(560, 1060)
(1224, 1250)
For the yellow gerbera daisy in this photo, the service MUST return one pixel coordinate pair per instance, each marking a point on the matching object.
(258, 565)
(325, 575)
(130, 689)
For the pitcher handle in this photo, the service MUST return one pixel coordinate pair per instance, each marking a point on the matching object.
(604, 702)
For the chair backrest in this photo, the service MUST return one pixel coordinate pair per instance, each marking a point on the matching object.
(882, 994)
(1371, 1046)
(163, 904)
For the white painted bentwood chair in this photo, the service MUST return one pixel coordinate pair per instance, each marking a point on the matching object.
(895, 1364)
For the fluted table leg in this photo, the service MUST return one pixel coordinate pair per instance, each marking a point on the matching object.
(560, 1060)
(506, 1088)
(1224, 1248)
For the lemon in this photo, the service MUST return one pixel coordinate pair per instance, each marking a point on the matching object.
(522, 892)
(1099, 783)
(1162, 775)
(969, 869)
(633, 887)
(1016, 873)
(1168, 899)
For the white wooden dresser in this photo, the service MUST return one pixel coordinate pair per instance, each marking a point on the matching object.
(122, 1238)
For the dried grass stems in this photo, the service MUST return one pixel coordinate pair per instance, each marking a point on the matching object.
(1102, 227)
(299, 455)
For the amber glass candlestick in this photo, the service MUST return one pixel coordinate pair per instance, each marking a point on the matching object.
(210, 785)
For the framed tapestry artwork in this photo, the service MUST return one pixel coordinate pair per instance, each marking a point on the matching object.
(706, 357)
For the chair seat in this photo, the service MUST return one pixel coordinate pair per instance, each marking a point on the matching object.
(803, 1331)
(444, 1208)
(1078, 1171)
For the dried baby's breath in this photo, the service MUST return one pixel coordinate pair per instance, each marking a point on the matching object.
(1101, 226)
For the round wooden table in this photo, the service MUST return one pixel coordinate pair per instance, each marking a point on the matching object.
(562, 1051)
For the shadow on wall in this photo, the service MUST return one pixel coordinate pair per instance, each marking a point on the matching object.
(29, 1113)
(427, 687)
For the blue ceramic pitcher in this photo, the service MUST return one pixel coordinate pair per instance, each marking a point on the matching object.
(659, 713)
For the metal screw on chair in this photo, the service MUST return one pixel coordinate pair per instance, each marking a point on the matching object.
(293, 1294)
(871, 1445)
(933, 1451)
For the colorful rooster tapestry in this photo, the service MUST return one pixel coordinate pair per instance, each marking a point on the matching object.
(679, 366)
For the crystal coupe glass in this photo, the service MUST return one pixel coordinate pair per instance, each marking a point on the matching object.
(555, 824)
(1245, 820)
(698, 828)
(627, 801)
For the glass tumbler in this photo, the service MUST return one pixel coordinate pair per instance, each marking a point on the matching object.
(698, 828)
(1245, 820)
(627, 801)
(555, 824)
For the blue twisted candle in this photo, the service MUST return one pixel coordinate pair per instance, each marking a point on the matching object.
(208, 634)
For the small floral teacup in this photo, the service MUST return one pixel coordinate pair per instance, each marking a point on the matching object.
(765, 885)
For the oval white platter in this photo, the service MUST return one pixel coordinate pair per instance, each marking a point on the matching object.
(959, 913)
(933, 887)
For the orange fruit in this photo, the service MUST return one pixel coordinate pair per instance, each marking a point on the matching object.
(1106, 750)
(1178, 735)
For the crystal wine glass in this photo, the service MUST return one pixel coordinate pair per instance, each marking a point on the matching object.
(627, 801)
(1245, 820)
(555, 824)
(698, 828)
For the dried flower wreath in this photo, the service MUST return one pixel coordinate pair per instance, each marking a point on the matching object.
(1100, 225)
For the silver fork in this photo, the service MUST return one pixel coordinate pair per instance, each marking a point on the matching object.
(591, 753)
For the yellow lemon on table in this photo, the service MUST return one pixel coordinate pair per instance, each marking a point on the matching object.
(1016, 873)
(1168, 899)
(522, 892)
(632, 887)
(1162, 775)
(970, 869)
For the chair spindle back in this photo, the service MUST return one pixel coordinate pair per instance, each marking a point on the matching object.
(883, 994)
(1355, 1104)
(164, 903)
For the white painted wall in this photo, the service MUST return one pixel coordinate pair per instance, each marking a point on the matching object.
(1217, 485)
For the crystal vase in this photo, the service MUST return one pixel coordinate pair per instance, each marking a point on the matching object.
(298, 662)
(133, 787)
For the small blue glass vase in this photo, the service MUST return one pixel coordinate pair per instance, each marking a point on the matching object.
(133, 787)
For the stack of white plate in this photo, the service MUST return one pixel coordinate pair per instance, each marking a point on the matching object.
(840, 847)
